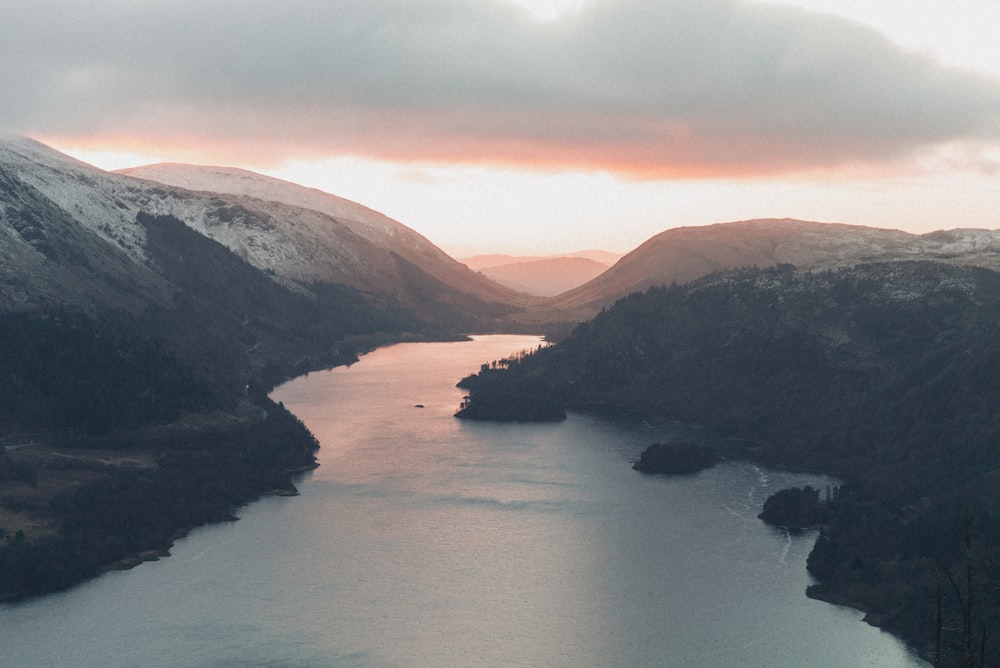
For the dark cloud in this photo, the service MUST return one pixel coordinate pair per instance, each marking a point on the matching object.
(681, 87)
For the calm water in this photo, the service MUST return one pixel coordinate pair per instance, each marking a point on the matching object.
(431, 542)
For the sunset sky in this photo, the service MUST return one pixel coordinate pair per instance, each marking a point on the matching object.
(537, 127)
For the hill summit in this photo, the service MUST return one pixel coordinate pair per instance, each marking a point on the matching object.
(684, 254)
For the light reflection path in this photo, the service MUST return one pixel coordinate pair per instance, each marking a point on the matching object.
(423, 541)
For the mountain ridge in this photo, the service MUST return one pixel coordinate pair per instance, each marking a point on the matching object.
(307, 234)
(492, 260)
(683, 254)
(294, 245)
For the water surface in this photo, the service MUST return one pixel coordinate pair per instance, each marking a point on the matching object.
(423, 540)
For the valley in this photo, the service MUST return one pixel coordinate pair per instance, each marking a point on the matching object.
(147, 314)
(150, 321)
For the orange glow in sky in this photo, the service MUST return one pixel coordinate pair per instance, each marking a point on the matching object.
(537, 127)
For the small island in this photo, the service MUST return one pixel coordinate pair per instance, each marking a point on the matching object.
(677, 458)
(795, 509)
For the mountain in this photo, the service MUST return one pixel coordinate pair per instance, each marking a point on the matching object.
(141, 325)
(885, 375)
(305, 234)
(544, 277)
(64, 240)
(687, 253)
(480, 262)
(72, 205)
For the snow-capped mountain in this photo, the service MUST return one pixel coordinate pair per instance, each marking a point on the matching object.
(244, 289)
(303, 237)
(233, 181)
(57, 208)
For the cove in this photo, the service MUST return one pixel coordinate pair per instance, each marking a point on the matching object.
(423, 540)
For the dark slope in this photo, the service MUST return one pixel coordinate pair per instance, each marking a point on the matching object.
(886, 375)
(238, 326)
(135, 427)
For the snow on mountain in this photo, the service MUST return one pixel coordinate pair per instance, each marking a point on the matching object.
(295, 245)
(75, 187)
(64, 241)
(234, 181)
(316, 221)
(58, 208)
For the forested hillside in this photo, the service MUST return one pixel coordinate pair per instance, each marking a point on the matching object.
(885, 375)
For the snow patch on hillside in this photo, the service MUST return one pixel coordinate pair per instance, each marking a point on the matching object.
(325, 229)
(78, 189)
(366, 222)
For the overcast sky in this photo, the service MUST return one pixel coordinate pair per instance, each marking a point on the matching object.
(567, 125)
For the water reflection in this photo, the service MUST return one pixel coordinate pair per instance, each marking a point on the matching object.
(423, 540)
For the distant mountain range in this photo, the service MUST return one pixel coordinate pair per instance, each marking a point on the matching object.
(62, 209)
(73, 236)
(480, 262)
(545, 276)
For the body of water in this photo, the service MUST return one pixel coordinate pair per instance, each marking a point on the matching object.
(426, 541)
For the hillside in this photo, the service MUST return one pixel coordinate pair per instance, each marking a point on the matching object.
(687, 253)
(294, 244)
(142, 325)
(311, 241)
(886, 375)
(271, 274)
(63, 241)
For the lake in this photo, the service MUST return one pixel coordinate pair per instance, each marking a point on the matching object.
(427, 541)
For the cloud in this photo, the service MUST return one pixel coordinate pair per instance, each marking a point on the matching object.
(680, 88)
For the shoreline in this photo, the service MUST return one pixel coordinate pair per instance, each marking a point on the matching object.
(114, 509)
(737, 448)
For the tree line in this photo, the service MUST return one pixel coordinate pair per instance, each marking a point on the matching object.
(885, 375)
